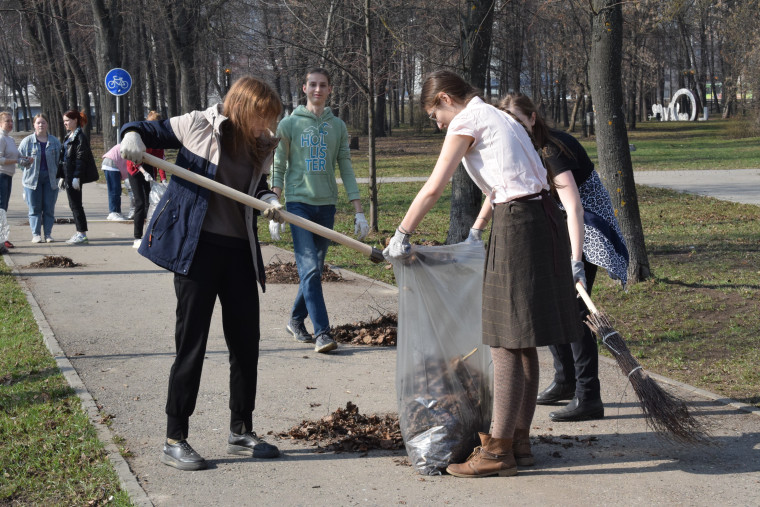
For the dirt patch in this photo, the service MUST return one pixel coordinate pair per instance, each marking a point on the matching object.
(54, 261)
(286, 272)
(379, 332)
(346, 430)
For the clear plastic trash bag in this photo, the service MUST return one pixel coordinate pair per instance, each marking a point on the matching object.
(443, 370)
(5, 228)
(157, 190)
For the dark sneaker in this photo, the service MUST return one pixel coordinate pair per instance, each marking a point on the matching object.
(325, 343)
(182, 456)
(249, 444)
(299, 332)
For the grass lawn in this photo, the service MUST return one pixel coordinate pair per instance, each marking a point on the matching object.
(49, 451)
(716, 144)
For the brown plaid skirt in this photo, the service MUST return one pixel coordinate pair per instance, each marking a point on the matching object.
(525, 303)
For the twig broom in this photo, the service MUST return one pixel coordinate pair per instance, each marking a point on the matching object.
(666, 414)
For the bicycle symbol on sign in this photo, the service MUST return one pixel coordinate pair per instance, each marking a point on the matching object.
(117, 82)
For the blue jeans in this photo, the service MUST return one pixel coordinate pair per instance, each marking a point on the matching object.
(113, 184)
(5, 190)
(310, 250)
(41, 202)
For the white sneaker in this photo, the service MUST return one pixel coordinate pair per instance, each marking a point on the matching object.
(130, 215)
(36, 238)
(49, 239)
(137, 243)
(116, 217)
(78, 239)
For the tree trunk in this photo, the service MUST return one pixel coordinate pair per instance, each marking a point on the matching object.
(373, 202)
(108, 21)
(475, 41)
(615, 166)
(380, 107)
(184, 25)
(574, 114)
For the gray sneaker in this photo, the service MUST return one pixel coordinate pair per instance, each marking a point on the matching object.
(325, 343)
(182, 457)
(299, 332)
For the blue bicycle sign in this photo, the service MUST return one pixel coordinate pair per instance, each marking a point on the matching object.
(118, 81)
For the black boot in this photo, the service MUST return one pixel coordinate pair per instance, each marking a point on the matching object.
(556, 392)
(579, 410)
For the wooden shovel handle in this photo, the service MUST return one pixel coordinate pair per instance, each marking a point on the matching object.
(374, 254)
(586, 299)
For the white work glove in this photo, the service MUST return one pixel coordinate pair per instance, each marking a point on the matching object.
(579, 273)
(361, 227)
(62, 183)
(275, 228)
(147, 176)
(273, 211)
(75, 184)
(475, 236)
(399, 247)
(132, 147)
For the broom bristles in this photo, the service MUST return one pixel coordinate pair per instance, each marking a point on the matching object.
(664, 413)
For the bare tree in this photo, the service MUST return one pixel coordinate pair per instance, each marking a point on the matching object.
(615, 166)
(475, 43)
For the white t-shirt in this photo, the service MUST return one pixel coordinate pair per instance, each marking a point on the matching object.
(502, 160)
(8, 151)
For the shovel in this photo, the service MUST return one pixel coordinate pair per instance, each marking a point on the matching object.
(374, 254)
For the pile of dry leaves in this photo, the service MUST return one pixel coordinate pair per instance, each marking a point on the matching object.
(286, 272)
(346, 430)
(380, 332)
(54, 261)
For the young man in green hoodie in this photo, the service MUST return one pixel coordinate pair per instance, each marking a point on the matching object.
(312, 142)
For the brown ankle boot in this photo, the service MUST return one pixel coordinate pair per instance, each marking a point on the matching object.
(484, 439)
(494, 457)
(521, 448)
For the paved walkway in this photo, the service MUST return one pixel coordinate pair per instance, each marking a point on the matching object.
(110, 325)
(738, 185)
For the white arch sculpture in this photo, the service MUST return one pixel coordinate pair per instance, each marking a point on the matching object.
(673, 113)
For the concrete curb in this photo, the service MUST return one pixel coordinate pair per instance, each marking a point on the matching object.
(128, 481)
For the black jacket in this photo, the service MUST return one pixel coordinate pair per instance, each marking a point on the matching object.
(77, 160)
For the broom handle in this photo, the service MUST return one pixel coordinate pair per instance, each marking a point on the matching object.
(586, 299)
(374, 254)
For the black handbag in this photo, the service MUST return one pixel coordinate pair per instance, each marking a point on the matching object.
(90, 169)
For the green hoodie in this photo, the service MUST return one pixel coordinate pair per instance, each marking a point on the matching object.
(305, 159)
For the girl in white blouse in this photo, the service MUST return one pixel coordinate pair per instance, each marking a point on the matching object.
(528, 294)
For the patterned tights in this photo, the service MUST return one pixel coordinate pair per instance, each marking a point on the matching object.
(515, 390)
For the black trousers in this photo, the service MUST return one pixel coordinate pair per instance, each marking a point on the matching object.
(226, 271)
(141, 191)
(579, 361)
(75, 204)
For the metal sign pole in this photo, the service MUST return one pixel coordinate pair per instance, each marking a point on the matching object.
(118, 120)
